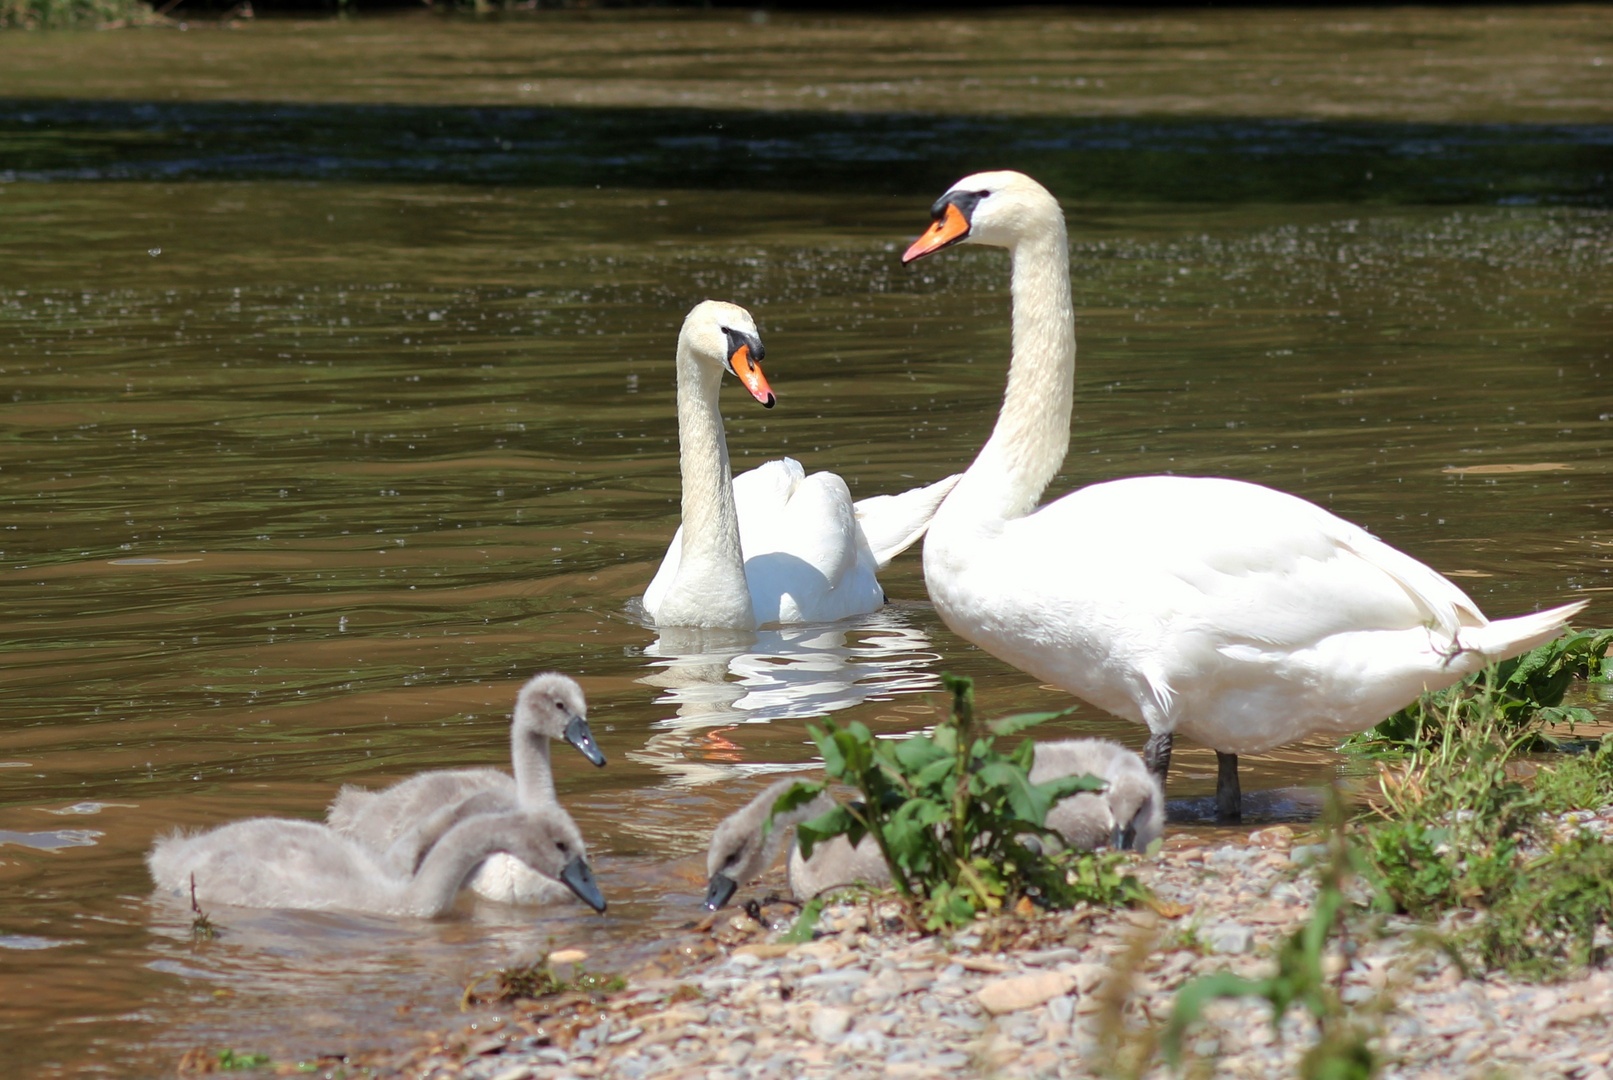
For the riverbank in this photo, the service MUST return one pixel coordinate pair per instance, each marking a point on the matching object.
(1036, 996)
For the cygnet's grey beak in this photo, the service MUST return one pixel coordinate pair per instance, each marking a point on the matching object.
(1117, 839)
(580, 880)
(719, 891)
(578, 735)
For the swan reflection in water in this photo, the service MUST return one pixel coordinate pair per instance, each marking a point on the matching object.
(722, 678)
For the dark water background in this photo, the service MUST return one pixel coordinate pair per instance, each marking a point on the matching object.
(325, 423)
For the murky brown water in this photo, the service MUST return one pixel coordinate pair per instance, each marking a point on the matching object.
(303, 476)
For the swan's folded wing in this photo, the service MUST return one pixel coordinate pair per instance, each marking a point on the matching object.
(1231, 562)
(892, 523)
(761, 499)
(819, 526)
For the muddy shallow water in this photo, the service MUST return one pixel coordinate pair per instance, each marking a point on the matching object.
(305, 468)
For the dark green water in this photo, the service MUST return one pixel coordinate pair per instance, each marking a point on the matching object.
(305, 468)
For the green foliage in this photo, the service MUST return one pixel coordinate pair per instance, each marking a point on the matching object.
(1577, 781)
(1459, 834)
(961, 826)
(1341, 1052)
(539, 980)
(231, 1060)
(64, 14)
(805, 923)
(201, 927)
(1521, 694)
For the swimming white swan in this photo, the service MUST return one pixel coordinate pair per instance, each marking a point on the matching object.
(548, 706)
(1241, 616)
(743, 846)
(1127, 815)
(285, 863)
(771, 545)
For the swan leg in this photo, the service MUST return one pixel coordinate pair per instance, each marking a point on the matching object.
(1157, 754)
(1228, 795)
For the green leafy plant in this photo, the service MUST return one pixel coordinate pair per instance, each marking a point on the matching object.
(1458, 833)
(1582, 781)
(1523, 694)
(1342, 1051)
(959, 823)
(805, 923)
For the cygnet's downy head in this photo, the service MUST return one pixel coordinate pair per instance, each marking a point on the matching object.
(739, 852)
(551, 845)
(725, 334)
(1137, 806)
(993, 208)
(552, 705)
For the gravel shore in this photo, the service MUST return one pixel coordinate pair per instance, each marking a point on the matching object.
(1031, 995)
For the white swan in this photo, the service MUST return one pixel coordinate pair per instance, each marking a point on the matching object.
(285, 863)
(772, 545)
(1128, 815)
(548, 706)
(1241, 616)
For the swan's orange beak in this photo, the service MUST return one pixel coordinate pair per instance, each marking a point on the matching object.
(749, 372)
(949, 228)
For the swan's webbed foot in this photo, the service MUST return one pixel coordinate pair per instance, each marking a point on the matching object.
(1157, 754)
(1228, 795)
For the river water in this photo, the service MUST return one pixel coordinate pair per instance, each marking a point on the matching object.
(321, 428)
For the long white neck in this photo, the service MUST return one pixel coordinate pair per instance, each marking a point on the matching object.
(534, 776)
(1032, 435)
(710, 588)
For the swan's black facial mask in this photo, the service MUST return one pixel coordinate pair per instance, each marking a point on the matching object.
(744, 362)
(952, 214)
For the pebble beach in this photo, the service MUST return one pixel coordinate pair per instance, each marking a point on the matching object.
(1029, 994)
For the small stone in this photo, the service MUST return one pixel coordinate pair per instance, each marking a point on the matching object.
(567, 956)
(1229, 938)
(514, 1072)
(1023, 991)
(1574, 1012)
(829, 1024)
(1087, 976)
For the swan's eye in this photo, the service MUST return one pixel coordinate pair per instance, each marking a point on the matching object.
(561, 844)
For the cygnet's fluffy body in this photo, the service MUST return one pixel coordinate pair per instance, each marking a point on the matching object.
(549, 706)
(286, 863)
(1129, 813)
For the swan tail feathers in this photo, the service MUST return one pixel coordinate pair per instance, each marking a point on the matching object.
(893, 523)
(1506, 638)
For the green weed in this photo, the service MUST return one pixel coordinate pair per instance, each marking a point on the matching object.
(1459, 834)
(66, 14)
(1341, 1051)
(232, 1060)
(1577, 781)
(1522, 695)
(959, 822)
(201, 927)
(538, 980)
(805, 923)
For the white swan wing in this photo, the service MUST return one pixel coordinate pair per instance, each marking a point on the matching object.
(893, 523)
(807, 561)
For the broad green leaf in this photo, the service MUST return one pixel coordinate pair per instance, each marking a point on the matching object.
(1013, 725)
(836, 822)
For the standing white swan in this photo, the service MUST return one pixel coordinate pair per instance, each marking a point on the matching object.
(1241, 616)
(772, 545)
(285, 863)
(549, 706)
